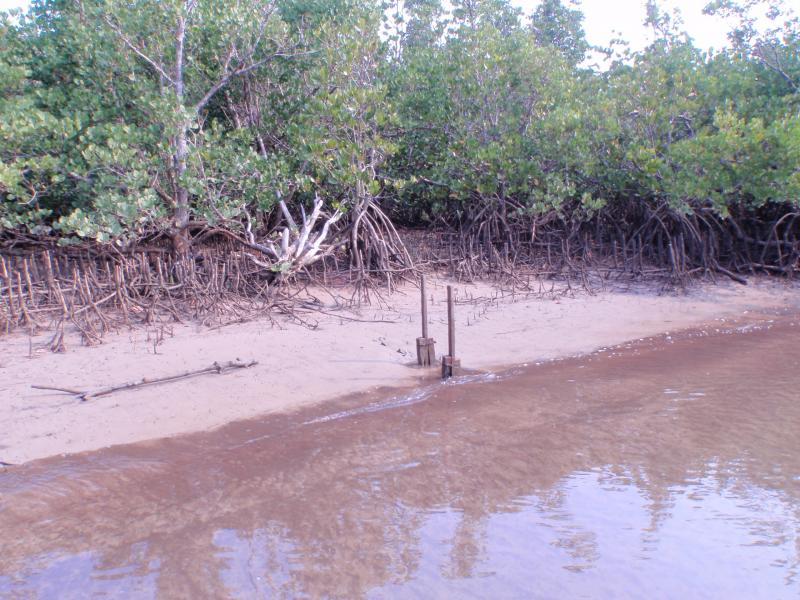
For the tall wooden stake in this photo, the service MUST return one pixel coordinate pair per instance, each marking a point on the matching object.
(450, 364)
(426, 350)
(451, 323)
(424, 302)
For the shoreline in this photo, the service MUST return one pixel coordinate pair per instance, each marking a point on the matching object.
(351, 351)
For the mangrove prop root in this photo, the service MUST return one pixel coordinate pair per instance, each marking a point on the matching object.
(216, 368)
(93, 289)
(633, 241)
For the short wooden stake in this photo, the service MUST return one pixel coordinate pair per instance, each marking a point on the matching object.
(426, 346)
(451, 366)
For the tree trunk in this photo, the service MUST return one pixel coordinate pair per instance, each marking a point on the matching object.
(180, 232)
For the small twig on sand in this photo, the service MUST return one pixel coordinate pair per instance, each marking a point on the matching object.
(734, 276)
(215, 368)
(315, 307)
(338, 316)
(58, 389)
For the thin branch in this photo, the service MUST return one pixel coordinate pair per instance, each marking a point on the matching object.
(226, 78)
(287, 215)
(159, 69)
(217, 368)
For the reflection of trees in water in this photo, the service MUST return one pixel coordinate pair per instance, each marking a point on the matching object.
(468, 546)
(337, 507)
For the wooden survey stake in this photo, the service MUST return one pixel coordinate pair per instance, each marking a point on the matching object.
(450, 364)
(426, 350)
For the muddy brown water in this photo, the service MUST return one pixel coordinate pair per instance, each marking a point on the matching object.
(668, 468)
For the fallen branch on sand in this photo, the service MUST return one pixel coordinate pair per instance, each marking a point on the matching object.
(215, 368)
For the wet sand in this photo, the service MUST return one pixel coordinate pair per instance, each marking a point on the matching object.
(664, 468)
(300, 367)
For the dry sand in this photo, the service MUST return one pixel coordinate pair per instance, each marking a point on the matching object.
(298, 366)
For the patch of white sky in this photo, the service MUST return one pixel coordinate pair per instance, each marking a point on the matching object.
(8, 4)
(609, 19)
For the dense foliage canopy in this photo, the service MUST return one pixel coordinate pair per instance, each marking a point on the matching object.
(123, 121)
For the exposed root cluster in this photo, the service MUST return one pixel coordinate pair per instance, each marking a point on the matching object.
(230, 279)
(642, 242)
(96, 291)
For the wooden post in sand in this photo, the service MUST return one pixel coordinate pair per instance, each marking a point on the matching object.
(426, 350)
(450, 364)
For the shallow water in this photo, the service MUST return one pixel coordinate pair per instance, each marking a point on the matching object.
(664, 469)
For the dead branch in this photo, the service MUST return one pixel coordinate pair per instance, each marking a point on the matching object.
(217, 368)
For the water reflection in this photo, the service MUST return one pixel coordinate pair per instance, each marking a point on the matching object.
(656, 471)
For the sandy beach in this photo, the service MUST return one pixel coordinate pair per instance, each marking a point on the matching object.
(348, 351)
